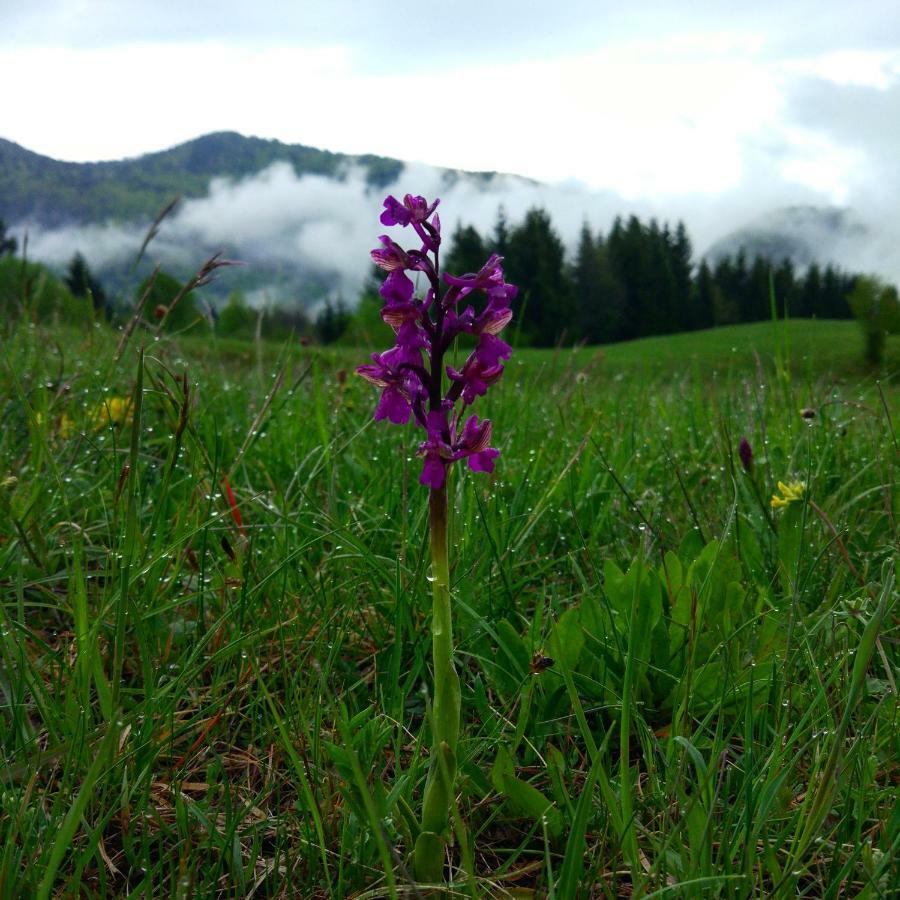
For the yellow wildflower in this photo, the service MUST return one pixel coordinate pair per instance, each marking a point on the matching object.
(789, 493)
(66, 426)
(113, 410)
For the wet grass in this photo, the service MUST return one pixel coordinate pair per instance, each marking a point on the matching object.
(214, 643)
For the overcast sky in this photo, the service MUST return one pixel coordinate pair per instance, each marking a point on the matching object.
(649, 99)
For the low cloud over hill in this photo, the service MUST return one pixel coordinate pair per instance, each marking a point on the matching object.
(303, 220)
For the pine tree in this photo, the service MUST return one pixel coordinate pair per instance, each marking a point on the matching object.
(535, 261)
(687, 316)
(785, 289)
(705, 299)
(725, 279)
(467, 251)
(660, 300)
(758, 283)
(598, 295)
(834, 295)
(332, 321)
(741, 291)
(811, 295)
(81, 282)
(630, 257)
(585, 279)
(8, 244)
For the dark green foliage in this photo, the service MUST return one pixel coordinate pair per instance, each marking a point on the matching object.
(731, 276)
(785, 285)
(599, 297)
(535, 261)
(633, 250)
(236, 319)
(57, 193)
(32, 291)
(332, 321)
(467, 251)
(811, 294)
(759, 307)
(280, 324)
(876, 306)
(82, 283)
(8, 243)
(836, 288)
(639, 281)
(166, 303)
(707, 298)
(686, 316)
(366, 327)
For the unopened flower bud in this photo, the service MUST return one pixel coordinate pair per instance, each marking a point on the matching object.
(745, 451)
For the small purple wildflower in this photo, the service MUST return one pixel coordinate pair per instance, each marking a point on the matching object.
(411, 374)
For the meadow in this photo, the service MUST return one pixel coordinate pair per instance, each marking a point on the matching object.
(214, 631)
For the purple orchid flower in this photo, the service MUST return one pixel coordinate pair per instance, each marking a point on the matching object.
(444, 446)
(411, 374)
(414, 211)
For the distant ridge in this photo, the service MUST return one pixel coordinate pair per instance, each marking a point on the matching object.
(803, 234)
(303, 240)
(51, 193)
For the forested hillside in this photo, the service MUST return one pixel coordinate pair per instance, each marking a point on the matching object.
(38, 189)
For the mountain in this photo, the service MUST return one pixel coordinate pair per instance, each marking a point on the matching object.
(301, 219)
(803, 234)
(49, 193)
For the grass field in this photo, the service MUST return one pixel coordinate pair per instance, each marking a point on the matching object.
(214, 639)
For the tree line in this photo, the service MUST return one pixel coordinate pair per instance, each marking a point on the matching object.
(640, 280)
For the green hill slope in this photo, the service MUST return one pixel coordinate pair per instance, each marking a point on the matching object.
(48, 192)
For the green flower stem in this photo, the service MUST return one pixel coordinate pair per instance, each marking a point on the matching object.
(439, 794)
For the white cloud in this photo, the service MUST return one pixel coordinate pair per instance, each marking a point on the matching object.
(277, 221)
(107, 244)
(714, 115)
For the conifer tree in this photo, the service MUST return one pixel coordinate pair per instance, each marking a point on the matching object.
(834, 294)
(598, 295)
(811, 295)
(705, 301)
(332, 321)
(467, 250)
(8, 244)
(535, 261)
(687, 317)
(82, 283)
(629, 253)
(758, 306)
(661, 300)
(785, 289)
